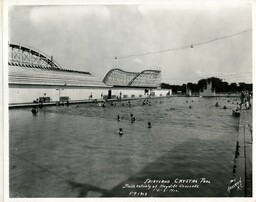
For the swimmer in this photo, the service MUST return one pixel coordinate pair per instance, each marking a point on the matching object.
(149, 125)
(103, 105)
(192, 100)
(190, 107)
(118, 118)
(224, 107)
(228, 100)
(217, 104)
(236, 113)
(34, 110)
(120, 132)
(77, 105)
(132, 118)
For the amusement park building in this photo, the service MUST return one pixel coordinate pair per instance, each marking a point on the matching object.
(33, 75)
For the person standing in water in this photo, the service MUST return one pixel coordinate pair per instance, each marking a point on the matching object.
(242, 96)
(149, 125)
(132, 118)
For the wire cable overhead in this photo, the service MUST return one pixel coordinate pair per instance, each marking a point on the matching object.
(183, 47)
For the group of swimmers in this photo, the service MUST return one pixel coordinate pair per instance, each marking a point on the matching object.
(148, 102)
(190, 107)
(145, 102)
(132, 121)
(132, 118)
(34, 109)
(39, 103)
(129, 104)
(235, 113)
(62, 103)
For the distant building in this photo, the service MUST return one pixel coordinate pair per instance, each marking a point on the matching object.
(188, 91)
(208, 91)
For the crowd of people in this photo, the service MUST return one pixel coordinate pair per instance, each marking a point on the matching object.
(245, 98)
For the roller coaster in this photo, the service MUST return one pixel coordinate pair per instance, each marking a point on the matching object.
(29, 66)
(21, 55)
(146, 78)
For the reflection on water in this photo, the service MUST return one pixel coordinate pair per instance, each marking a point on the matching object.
(76, 151)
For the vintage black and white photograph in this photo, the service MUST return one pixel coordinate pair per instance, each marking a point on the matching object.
(129, 100)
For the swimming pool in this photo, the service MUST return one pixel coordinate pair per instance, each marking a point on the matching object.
(76, 151)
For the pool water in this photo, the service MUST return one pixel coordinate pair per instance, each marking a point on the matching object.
(76, 151)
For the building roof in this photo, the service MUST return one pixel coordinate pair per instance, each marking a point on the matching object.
(45, 76)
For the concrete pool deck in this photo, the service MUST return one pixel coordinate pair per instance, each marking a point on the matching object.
(21, 105)
(243, 158)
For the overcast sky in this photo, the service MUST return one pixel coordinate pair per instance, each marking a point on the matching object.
(88, 38)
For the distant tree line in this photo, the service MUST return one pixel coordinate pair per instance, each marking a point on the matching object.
(217, 84)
